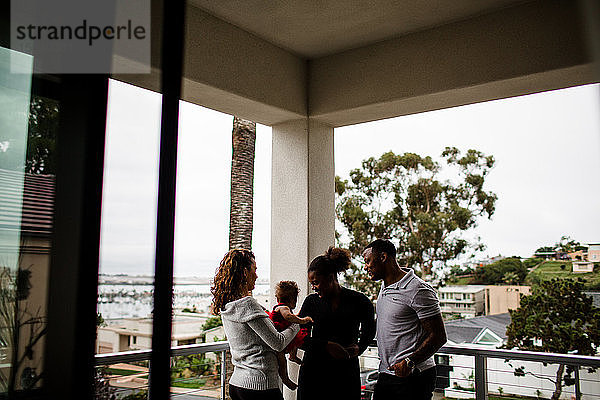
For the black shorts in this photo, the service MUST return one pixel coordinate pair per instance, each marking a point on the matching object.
(417, 386)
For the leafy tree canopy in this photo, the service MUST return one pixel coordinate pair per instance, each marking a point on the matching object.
(565, 245)
(568, 245)
(546, 249)
(510, 271)
(559, 318)
(212, 322)
(402, 197)
(41, 142)
(458, 270)
(556, 317)
(141, 395)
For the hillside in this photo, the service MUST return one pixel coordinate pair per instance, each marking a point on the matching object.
(545, 271)
(552, 269)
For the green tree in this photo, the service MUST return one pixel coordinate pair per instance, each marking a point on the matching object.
(509, 270)
(41, 141)
(545, 249)
(568, 245)
(511, 278)
(559, 318)
(141, 395)
(102, 388)
(565, 245)
(212, 322)
(100, 320)
(457, 272)
(403, 198)
(22, 329)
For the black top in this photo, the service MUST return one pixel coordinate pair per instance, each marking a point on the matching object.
(351, 323)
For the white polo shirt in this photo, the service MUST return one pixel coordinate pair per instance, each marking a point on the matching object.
(400, 306)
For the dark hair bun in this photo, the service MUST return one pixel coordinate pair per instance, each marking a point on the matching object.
(339, 259)
(334, 261)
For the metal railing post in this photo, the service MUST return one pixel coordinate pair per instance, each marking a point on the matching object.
(577, 384)
(223, 374)
(149, 378)
(481, 387)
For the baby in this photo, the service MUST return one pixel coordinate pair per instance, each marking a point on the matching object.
(286, 293)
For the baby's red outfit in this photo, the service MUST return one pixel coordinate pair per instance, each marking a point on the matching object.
(281, 324)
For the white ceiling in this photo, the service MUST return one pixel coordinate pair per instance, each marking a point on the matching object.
(315, 28)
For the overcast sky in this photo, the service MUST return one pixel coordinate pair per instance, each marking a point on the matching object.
(547, 150)
(203, 176)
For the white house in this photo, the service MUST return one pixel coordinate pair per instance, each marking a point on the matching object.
(582, 267)
(136, 333)
(467, 301)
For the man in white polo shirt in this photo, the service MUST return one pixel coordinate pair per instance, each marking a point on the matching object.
(410, 328)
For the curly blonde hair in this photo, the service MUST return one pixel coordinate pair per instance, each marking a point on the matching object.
(231, 278)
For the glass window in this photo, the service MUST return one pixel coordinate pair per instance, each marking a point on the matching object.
(28, 127)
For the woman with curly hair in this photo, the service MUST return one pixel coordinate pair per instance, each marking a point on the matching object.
(253, 339)
(343, 327)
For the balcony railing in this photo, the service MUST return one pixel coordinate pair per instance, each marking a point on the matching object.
(180, 386)
(471, 371)
(482, 372)
(483, 362)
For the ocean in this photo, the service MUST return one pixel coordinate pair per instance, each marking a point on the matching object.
(135, 301)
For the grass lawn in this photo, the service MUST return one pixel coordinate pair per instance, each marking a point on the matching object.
(546, 271)
(124, 372)
(552, 269)
(191, 383)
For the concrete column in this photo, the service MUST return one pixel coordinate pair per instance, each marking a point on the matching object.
(289, 204)
(321, 189)
(302, 199)
(302, 204)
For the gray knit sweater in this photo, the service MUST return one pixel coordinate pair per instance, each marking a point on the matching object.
(254, 342)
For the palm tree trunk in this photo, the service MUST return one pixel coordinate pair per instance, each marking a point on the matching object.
(242, 193)
(242, 182)
(558, 383)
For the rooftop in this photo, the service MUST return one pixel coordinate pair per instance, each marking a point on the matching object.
(462, 289)
(466, 330)
(34, 216)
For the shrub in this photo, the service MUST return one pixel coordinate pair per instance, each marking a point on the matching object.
(141, 395)
(212, 322)
(496, 273)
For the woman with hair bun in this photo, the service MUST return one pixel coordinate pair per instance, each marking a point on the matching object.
(253, 339)
(343, 327)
